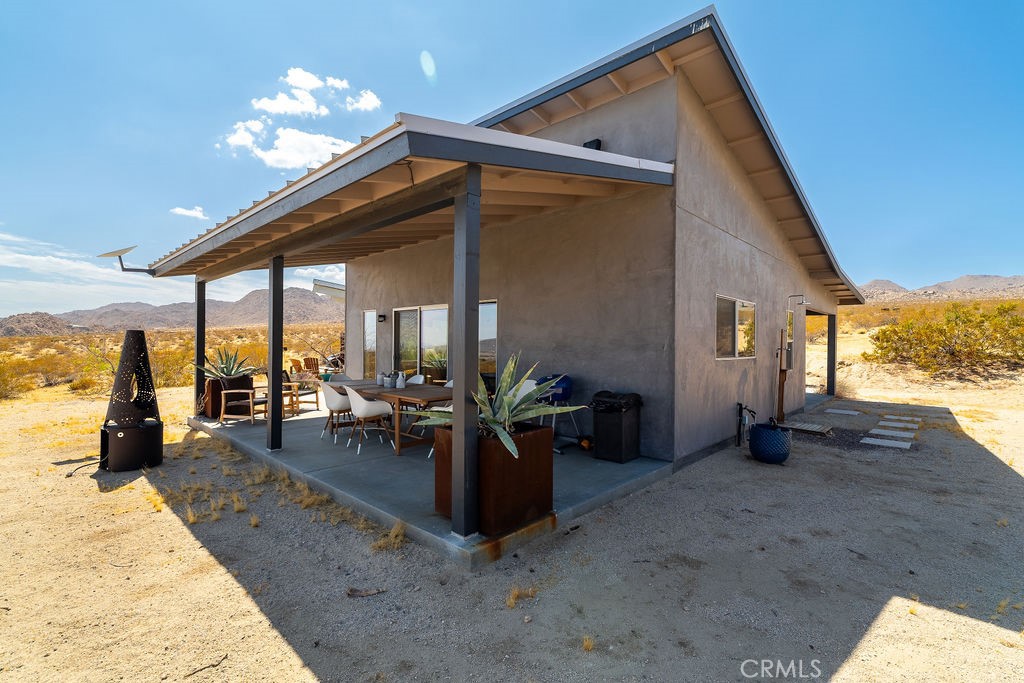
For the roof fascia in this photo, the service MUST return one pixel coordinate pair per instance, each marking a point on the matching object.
(294, 197)
(684, 28)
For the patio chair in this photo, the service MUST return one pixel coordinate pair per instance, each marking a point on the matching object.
(415, 379)
(296, 365)
(365, 412)
(300, 388)
(311, 365)
(337, 405)
(239, 400)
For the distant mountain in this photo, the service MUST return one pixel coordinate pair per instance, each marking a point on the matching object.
(34, 325)
(965, 287)
(300, 306)
(882, 290)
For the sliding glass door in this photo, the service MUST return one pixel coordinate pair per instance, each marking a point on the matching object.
(421, 340)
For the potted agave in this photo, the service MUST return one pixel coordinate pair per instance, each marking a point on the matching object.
(515, 457)
(224, 364)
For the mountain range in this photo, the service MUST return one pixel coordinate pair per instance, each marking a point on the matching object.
(965, 287)
(300, 306)
(303, 306)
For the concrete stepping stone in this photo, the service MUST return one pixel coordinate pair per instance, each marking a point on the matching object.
(901, 425)
(901, 417)
(886, 442)
(893, 432)
(839, 411)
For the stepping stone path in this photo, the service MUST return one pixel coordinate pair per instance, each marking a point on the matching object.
(891, 422)
(838, 411)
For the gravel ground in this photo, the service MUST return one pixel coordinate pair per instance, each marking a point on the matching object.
(852, 563)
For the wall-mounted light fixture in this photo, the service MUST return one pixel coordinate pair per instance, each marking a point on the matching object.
(381, 317)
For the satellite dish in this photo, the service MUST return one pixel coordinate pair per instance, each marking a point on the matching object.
(116, 253)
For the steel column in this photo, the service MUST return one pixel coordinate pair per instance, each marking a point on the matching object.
(275, 354)
(830, 363)
(200, 358)
(464, 350)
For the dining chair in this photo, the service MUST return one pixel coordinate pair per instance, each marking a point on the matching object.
(367, 412)
(337, 405)
(415, 379)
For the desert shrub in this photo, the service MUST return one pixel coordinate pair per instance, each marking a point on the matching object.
(13, 382)
(965, 339)
(172, 365)
(83, 383)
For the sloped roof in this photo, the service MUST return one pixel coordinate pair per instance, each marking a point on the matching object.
(397, 188)
(699, 47)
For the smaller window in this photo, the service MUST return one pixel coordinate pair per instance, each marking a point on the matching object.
(734, 328)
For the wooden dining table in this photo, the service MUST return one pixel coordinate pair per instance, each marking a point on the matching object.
(420, 396)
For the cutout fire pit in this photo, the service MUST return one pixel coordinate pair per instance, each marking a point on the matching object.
(132, 435)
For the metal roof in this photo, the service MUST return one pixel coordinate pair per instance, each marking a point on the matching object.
(397, 188)
(699, 47)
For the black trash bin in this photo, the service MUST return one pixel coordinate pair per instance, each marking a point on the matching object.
(616, 425)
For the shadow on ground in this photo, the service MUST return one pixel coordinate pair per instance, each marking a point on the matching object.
(850, 561)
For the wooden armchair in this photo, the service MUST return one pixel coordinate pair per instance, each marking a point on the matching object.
(296, 389)
(239, 399)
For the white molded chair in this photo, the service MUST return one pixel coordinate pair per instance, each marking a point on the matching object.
(337, 405)
(367, 411)
(415, 379)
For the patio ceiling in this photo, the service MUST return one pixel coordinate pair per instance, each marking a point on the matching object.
(699, 48)
(397, 189)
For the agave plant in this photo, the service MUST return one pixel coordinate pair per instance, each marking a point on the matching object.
(226, 365)
(511, 403)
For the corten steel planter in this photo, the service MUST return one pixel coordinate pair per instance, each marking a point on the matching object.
(211, 398)
(512, 491)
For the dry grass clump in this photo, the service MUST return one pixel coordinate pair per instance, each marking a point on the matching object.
(516, 594)
(262, 474)
(238, 503)
(155, 499)
(588, 643)
(254, 521)
(393, 540)
(190, 515)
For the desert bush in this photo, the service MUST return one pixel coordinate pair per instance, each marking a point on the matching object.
(12, 379)
(966, 339)
(83, 383)
(172, 365)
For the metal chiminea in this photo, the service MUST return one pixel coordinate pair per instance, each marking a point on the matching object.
(132, 435)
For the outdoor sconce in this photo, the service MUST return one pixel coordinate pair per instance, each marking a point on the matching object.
(381, 318)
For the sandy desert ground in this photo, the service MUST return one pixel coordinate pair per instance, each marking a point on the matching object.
(849, 562)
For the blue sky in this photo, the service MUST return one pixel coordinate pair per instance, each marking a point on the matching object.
(903, 120)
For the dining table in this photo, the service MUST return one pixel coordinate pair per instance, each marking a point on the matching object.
(416, 396)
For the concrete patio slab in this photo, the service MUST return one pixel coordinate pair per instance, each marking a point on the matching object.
(389, 488)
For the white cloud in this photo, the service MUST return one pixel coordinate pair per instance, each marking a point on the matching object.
(194, 212)
(337, 83)
(300, 78)
(243, 135)
(299, 149)
(301, 103)
(332, 273)
(367, 101)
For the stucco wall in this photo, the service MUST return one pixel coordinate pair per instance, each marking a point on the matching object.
(728, 243)
(587, 292)
(641, 124)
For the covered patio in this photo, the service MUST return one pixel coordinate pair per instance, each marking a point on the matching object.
(388, 488)
(417, 181)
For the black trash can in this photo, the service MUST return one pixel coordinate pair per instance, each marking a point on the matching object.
(616, 426)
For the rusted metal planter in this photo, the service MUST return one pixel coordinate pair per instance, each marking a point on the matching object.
(211, 397)
(512, 491)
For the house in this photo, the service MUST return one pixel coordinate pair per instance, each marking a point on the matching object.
(635, 225)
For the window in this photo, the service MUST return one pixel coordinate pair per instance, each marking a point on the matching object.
(369, 344)
(421, 340)
(734, 328)
(488, 336)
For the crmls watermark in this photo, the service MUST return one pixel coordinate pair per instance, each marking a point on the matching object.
(777, 668)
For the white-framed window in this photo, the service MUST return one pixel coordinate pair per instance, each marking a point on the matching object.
(734, 328)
